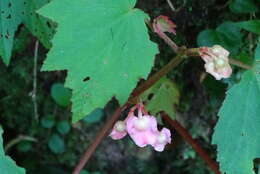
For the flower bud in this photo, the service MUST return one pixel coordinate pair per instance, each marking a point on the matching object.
(120, 126)
(216, 61)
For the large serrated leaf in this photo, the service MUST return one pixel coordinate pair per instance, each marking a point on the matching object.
(105, 47)
(237, 131)
(7, 165)
(162, 96)
(10, 18)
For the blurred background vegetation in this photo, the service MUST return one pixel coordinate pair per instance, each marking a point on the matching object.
(53, 145)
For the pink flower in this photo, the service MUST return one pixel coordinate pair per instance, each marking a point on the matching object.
(119, 130)
(216, 61)
(162, 138)
(163, 24)
(142, 129)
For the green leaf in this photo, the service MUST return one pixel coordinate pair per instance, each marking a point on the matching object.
(10, 18)
(227, 35)
(56, 144)
(162, 96)
(243, 6)
(7, 165)
(39, 26)
(48, 122)
(95, 116)
(106, 50)
(60, 94)
(252, 26)
(237, 132)
(63, 127)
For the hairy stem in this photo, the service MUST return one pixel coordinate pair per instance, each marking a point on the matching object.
(34, 92)
(239, 64)
(157, 76)
(171, 5)
(170, 42)
(188, 138)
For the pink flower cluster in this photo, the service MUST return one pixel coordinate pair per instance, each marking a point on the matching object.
(216, 61)
(142, 129)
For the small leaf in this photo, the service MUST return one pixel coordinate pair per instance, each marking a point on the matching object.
(162, 96)
(60, 94)
(47, 122)
(95, 116)
(106, 50)
(243, 6)
(209, 38)
(252, 26)
(7, 165)
(56, 144)
(227, 35)
(63, 127)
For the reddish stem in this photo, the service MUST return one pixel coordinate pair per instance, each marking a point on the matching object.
(101, 134)
(157, 76)
(170, 42)
(187, 137)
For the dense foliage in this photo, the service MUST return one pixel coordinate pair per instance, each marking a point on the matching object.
(99, 52)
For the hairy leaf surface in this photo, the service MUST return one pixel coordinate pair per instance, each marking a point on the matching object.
(105, 47)
(7, 165)
(237, 132)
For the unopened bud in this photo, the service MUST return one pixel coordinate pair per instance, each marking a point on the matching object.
(120, 126)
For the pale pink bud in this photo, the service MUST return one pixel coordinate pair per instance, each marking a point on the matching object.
(163, 137)
(119, 130)
(163, 24)
(216, 61)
